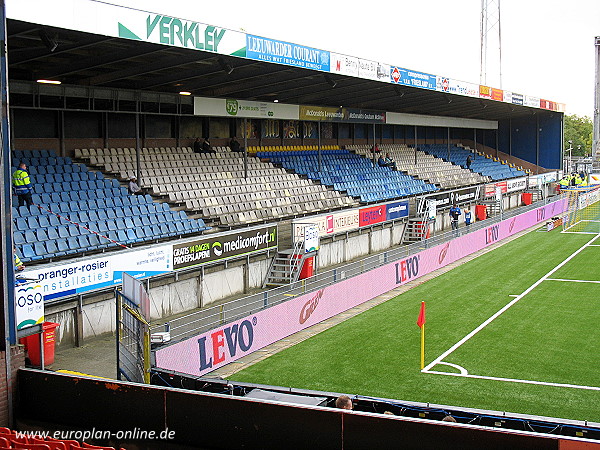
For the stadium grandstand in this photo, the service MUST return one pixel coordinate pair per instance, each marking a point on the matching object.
(229, 242)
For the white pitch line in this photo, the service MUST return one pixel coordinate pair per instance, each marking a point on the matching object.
(572, 281)
(461, 369)
(515, 380)
(504, 308)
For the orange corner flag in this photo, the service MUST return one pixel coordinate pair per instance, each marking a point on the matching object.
(421, 319)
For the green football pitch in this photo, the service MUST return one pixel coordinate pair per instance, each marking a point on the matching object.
(516, 329)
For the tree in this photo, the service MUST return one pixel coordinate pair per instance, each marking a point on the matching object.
(579, 130)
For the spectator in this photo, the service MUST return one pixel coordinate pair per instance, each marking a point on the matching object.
(375, 149)
(469, 162)
(206, 147)
(468, 217)
(234, 145)
(134, 188)
(381, 161)
(390, 162)
(22, 185)
(197, 146)
(454, 215)
(19, 266)
(343, 402)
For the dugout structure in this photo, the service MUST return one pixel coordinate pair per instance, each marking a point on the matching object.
(583, 213)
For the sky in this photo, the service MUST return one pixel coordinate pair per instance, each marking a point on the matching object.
(547, 45)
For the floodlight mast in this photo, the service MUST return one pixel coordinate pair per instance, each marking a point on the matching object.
(490, 30)
(596, 144)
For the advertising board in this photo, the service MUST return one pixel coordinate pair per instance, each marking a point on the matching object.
(223, 246)
(287, 53)
(62, 280)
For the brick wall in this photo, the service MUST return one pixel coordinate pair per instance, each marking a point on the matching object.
(17, 360)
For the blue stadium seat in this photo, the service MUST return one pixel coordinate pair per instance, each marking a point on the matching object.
(137, 222)
(83, 243)
(131, 236)
(102, 214)
(62, 248)
(54, 220)
(41, 234)
(140, 233)
(19, 238)
(29, 254)
(102, 226)
(93, 215)
(52, 249)
(146, 220)
(40, 250)
(153, 219)
(73, 230)
(110, 213)
(33, 223)
(52, 233)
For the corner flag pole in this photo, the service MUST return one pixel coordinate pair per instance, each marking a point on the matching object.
(421, 324)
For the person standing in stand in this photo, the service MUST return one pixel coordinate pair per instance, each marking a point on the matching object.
(22, 185)
(468, 218)
(454, 215)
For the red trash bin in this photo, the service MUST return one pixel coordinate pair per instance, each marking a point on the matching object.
(308, 267)
(481, 212)
(32, 344)
(527, 198)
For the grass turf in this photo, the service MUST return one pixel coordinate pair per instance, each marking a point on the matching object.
(548, 336)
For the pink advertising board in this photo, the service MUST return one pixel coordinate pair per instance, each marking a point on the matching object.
(205, 352)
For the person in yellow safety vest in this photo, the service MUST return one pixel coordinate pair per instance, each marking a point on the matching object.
(578, 179)
(583, 181)
(22, 185)
(18, 263)
(564, 182)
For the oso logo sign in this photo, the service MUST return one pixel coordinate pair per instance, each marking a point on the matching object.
(217, 248)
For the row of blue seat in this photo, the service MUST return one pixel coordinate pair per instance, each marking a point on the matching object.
(43, 161)
(123, 204)
(73, 168)
(16, 154)
(66, 186)
(135, 217)
(63, 177)
(72, 245)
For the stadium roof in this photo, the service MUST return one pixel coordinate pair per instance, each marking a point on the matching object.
(100, 60)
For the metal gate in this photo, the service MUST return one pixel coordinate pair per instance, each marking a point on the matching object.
(133, 342)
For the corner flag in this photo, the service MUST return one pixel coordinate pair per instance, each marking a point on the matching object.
(421, 324)
(421, 319)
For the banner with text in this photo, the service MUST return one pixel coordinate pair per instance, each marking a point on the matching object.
(280, 52)
(29, 304)
(129, 23)
(331, 114)
(412, 78)
(101, 271)
(224, 246)
(220, 107)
